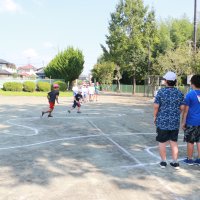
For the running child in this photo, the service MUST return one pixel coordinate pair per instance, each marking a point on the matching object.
(77, 102)
(52, 97)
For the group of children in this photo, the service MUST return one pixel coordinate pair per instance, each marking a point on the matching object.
(84, 93)
(168, 105)
(89, 92)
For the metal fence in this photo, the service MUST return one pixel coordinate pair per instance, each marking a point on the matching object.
(145, 90)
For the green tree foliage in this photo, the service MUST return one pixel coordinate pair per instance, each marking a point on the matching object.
(181, 31)
(177, 60)
(132, 31)
(104, 72)
(195, 63)
(67, 65)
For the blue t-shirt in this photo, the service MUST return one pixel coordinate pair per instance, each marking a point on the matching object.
(191, 100)
(169, 99)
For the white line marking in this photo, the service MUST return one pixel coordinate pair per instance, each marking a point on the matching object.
(137, 161)
(148, 150)
(27, 127)
(48, 141)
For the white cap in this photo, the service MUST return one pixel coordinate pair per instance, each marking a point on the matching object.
(170, 76)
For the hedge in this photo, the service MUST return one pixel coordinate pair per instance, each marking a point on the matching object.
(13, 86)
(29, 86)
(43, 86)
(62, 85)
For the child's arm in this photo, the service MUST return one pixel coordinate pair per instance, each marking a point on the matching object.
(155, 112)
(57, 99)
(185, 113)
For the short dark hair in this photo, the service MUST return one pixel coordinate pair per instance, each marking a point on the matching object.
(171, 83)
(195, 80)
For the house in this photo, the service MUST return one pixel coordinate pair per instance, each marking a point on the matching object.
(7, 69)
(26, 71)
(40, 73)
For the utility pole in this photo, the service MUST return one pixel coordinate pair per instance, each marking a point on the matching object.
(195, 26)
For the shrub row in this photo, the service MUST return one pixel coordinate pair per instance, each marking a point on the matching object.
(29, 86)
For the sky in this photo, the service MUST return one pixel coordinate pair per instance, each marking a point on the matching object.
(34, 31)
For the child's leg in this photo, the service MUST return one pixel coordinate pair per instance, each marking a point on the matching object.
(162, 150)
(174, 148)
(198, 149)
(190, 150)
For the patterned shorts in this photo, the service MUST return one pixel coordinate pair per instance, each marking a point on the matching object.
(192, 134)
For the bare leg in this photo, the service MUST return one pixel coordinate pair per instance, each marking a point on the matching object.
(174, 148)
(190, 150)
(198, 149)
(162, 150)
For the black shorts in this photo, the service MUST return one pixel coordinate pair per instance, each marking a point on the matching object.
(76, 104)
(166, 135)
(192, 134)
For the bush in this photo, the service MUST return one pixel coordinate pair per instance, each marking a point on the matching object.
(62, 85)
(43, 86)
(29, 86)
(13, 86)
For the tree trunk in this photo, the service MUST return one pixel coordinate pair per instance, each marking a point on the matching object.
(134, 84)
(118, 85)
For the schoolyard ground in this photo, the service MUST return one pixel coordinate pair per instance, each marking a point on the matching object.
(108, 152)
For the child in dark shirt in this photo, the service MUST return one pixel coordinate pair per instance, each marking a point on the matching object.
(77, 102)
(52, 97)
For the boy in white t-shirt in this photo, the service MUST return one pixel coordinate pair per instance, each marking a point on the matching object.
(91, 92)
(75, 90)
(85, 93)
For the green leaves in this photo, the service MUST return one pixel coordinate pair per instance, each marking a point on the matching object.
(67, 65)
(104, 72)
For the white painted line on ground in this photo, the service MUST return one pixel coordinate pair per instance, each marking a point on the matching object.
(148, 150)
(26, 127)
(137, 161)
(115, 143)
(48, 141)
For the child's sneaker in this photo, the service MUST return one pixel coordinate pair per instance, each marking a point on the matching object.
(175, 165)
(188, 161)
(50, 116)
(163, 165)
(78, 111)
(197, 161)
(69, 111)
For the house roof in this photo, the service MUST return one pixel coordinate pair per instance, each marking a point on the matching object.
(11, 65)
(27, 67)
(3, 61)
(4, 72)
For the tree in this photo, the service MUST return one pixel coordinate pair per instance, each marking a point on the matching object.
(181, 31)
(127, 40)
(104, 72)
(67, 65)
(177, 60)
